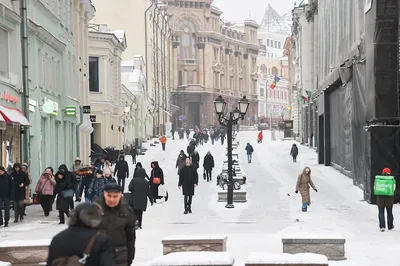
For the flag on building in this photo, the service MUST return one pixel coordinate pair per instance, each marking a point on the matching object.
(273, 84)
(306, 95)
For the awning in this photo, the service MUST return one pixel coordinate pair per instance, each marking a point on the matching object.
(13, 115)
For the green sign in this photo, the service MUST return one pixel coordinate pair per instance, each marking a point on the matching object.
(48, 107)
(70, 110)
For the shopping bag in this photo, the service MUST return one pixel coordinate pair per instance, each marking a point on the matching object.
(162, 191)
(384, 185)
(36, 198)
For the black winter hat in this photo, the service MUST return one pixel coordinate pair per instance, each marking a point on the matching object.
(99, 172)
(112, 187)
(88, 214)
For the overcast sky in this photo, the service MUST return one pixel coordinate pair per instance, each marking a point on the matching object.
(239, 10)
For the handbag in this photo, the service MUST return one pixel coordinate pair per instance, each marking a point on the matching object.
(75, 260)
(156, 180)
(68, 194)
(162, 191)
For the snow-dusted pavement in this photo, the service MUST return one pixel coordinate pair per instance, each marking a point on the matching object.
(272, 210)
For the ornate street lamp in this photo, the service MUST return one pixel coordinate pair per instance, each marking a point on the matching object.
(228, 121)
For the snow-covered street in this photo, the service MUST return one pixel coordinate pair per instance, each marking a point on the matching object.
(273, 210)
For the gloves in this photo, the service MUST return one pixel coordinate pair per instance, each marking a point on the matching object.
(316, 190)
(297, 191)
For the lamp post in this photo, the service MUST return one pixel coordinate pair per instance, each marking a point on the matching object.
(229, 121)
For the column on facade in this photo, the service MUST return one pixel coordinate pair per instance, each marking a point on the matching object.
(200, 71)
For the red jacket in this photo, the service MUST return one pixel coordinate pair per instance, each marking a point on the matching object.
(260, 135)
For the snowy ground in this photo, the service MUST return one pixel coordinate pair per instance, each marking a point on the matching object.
(272, 210)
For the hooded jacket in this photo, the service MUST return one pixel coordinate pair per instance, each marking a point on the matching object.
(121, 168)
(45, 185)
(249, 149)
(140, 189)
(82, 227)
(180, 161)
(208, 162)
(156, 172)
(6, 186)
(69, 175)
(20, 178)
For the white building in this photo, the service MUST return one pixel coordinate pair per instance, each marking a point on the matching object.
(129, 105)
(105, 49)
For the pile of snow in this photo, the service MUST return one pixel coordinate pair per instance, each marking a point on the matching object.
(301, 258)
(3, 263)
(195, 237)
(194, 258)
(25, 243)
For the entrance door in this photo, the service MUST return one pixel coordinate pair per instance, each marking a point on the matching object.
(321, 140)
(194, 114)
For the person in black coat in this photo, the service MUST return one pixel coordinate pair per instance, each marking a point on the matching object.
(134, 153)
(156, 179)
(74, 182)
(21, 181)
(188, 180)
(208, 164)
(140, 189)
(195, 159)
(63, 183)
(121, 171)
(74, 240)
(190, 149)
(294, 151)
(6, 190)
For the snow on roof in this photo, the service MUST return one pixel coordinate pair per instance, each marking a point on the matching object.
(301, 258)
(25, 243)
(127, 63)
(120, 34)
(194, 258)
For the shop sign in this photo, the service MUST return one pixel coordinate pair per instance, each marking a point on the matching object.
(50, 107)
(32, 105)
(70, 110)
(92, 118)
(86, 109)
(9, 98)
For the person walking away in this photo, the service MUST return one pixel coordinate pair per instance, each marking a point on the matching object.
(72, 179)
(294, 151)
(87, 178)
(156, 179)
(118, 223)
(303, 185)
(63, 187)
(96, 188)
(27, 201)
(385, 202)
(121, 171)
(133, 154)
(190, 149)
(195, 159)
(108, 176)
(208, 164)
(163, 141)
(45, 190)
(21, 181)
(188, 180)
(140, 189)
(249, 150)
(222, 135)
(260, 137)
(173, 133)
(82, 237)
(6, 189)
(180, 161)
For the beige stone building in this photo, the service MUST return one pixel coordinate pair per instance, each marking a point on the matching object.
(210, 58)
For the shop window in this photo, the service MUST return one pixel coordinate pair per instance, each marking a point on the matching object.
(94, 74)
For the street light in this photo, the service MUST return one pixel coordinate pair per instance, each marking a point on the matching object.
(229, 121)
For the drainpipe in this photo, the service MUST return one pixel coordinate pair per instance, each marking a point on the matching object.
(25, 77)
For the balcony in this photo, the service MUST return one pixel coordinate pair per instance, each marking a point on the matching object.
(191, 88)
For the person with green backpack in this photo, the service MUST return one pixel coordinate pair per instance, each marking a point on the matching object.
(384, 189)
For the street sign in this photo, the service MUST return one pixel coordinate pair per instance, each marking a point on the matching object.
(48, 107)
(92, 118)
(70, 110)
(86, 109)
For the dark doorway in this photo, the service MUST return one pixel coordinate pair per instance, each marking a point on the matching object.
(321, 140)
(194, 114)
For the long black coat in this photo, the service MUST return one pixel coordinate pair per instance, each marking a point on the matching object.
(62, 185)
(140, 189)
(74, 240)
(208, 162)
(180, 162)
(188, 177)
(119, 224)
(196, 159)
(20, 178)
(121, 169)
(6, 186)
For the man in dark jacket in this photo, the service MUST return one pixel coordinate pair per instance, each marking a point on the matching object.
(188, 180)
(86, 180)
(121, 171)
(6, 189)
(133, 154)
(140, 189)
(73, 241)
(21, 181)
(118, 223)
(249, 150)
(208, 164)
(294, 151)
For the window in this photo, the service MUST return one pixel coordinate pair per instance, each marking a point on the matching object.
(4, 62)
(261, 91)
(180, 78)
(275, 44)
(274, 71)
(279, 45)
(267, 42)
(94, 74)
(189, 77)
(187, 47)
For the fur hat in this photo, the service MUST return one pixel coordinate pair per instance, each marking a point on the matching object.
(87, 214)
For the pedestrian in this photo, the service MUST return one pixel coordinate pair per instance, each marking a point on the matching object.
(96, 188)
(118, 223)
(75, 168)
(77, 165)
(27, 201)
(134, 154)
(64, 186)
(82, 238)
(249, 150)
(6, 189)
(260, 137)
(21, 181)
(45, 190)
(87, 178)
(140, 189)
(181, 160)
(163, 141)
(222, 135)
(106, 165)
(173, 133)
(294, 151)
(156, 179)
(72, 179)
(121, 171)
(190, 149)
(208, 164)
(187, 133)
(385, 202)
(195, 159)
(108, 176)
(188, 180)
(303, 185)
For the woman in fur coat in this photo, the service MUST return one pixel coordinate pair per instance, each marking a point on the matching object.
(303, 185)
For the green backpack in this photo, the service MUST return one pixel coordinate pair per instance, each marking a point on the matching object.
(384, 185)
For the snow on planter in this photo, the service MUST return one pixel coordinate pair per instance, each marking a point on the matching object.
(25, 252)
(261, 258)
(25, 243)
(194, 259)
(3, 263)
(185, 243)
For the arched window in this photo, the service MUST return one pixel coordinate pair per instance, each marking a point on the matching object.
(263, 69)
(274, 71)
(187, 46)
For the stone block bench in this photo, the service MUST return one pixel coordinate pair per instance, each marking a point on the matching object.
(238, 196)
(301, 259)
(331, 247)
(184, 243)
(206, 258)
(26, 252)
(239, 179)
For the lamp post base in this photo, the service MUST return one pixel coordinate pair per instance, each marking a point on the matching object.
(229, 206)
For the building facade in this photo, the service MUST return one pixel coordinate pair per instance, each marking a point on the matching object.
(129, 116)
(105, 49)
(210, 58)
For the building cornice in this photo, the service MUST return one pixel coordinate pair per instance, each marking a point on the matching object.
(89, 8)
(107, 36)
(11, 14)
(46, 36)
